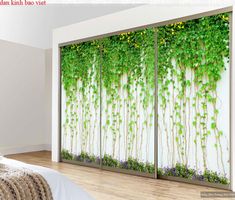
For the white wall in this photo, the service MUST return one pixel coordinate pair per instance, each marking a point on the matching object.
(48, 92)
(131, 18)
(22, 99)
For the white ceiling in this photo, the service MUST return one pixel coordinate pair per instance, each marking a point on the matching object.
(33, 26)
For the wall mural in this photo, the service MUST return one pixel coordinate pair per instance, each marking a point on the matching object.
(108, 87)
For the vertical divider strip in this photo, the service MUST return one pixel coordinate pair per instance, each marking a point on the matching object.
(59, 102)
(231, 138)
(155, 103)
(101, 62)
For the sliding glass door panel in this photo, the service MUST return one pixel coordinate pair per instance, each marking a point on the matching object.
(128, 101)
(194, 99)
(80, 102)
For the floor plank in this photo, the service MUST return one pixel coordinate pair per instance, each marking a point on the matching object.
(105, 185)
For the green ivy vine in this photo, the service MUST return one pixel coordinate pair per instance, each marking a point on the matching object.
(128, 79)
(80, 69)
(128, 82)
(191, 58)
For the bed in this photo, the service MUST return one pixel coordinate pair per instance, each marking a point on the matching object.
(61, 187)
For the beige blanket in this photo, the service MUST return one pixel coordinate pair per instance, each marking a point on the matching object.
(22, 184)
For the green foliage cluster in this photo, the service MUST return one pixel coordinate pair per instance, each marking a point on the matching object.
(214, 177)
(83, 157)
(66, 155)
(76, 60)
(129, 55)
(80, 70)
(130, 164)
(191, 60)
(107, 160)
(122, 55)
(197, 47)
(181, 170)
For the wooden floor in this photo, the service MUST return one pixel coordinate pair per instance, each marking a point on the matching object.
(105, 185)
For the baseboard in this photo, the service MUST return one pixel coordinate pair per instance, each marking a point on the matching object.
(24, 149)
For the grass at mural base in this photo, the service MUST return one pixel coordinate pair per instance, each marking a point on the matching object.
(83, 157)
(179, 170)
(183, 171)
(107, 160)
(130, 164)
